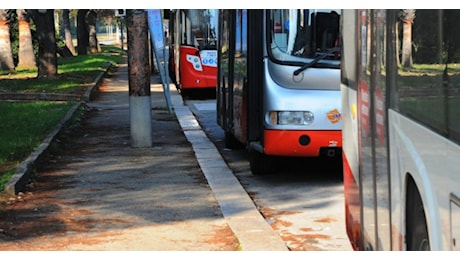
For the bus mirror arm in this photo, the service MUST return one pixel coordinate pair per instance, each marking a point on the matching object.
(316, 60)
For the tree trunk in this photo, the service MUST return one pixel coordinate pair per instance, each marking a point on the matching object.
(91, 17)
(82, 32)
(26, 55)
(138, 53)
(408, 20)
(67, 33)
(46, 34)
(406, 59)
(6, 54)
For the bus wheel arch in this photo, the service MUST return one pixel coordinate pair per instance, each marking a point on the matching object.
(417, 238)
(262, 164)
(231, 141)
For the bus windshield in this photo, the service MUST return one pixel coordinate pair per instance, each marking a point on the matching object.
(203, 24)
(305, 37)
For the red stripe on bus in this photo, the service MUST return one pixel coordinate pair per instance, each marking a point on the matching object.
(352, 206)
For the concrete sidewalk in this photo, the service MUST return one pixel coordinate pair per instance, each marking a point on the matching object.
(177, 195)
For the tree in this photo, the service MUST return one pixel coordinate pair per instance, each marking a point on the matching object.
(91, 17)
(46, 35)
(6, 54)
(82, 32)
(67, 34)
(407, 17)
(138, 52)
(26, 56)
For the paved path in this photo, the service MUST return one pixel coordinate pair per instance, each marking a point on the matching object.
(99, 193)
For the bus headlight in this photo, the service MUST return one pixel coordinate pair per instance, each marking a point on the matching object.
(291, 117)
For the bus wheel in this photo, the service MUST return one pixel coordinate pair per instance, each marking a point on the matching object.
(262, 164)
(185, 93)
(416, 229)
(231, 142)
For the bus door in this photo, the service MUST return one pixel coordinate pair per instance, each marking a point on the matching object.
(225, 71)
(255, 80)
(233, 81)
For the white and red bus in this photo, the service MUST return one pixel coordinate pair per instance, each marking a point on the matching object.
(278, 92)
(192, 48)
(401, 129)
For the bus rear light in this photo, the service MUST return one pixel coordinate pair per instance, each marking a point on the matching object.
(195, 61)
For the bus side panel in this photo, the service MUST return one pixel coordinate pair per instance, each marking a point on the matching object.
(435, 186)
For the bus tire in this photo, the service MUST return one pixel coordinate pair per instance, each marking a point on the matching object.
(416, 229)
(262, 164)
(231, 142)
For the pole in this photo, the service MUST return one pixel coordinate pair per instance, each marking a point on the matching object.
(139, 78)
(155, 24)
(121, 32)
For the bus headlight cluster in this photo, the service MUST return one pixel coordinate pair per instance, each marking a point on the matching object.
(291, 117)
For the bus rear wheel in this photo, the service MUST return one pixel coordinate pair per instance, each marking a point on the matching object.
(416, 228)
(262, 164)
(232, 142)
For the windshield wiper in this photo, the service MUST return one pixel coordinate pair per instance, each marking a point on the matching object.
(315, 60)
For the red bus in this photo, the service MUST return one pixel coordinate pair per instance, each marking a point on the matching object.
(192, 48)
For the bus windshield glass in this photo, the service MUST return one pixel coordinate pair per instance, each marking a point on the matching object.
(306, 37)
(203, 26)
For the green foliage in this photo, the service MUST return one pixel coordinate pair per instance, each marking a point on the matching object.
(25, 125)
(5, 178)
(23, 128)
(74, 74)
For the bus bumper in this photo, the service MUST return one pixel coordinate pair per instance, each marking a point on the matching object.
(302, 143)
